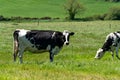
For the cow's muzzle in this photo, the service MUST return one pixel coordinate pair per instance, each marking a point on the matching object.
(67, 43)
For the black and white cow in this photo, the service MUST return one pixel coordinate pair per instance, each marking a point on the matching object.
(39, 41)
(112, 43)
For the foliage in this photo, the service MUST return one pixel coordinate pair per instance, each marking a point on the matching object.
(94, 17)
(22, 19)
(72, 8)
(113, 0)
(113, 14)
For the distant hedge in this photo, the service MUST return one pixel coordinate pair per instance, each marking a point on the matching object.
(113, 0)
(18, 18)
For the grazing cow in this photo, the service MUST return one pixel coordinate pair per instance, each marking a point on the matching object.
(39, 41)
(112, 43)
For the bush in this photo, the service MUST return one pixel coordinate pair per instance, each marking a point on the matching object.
(113, 14)
(46, 18)
(94, 17)
(1, 17)
(73, 7)
(113, 0)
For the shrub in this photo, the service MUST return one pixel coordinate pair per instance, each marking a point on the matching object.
(113, 0)
(72, 8)
(46, 18)
(113, 14)
(1, 17)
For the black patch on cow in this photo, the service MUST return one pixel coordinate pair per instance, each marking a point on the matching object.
(59, 39)
(118, 38)
(42, 38)
(32, 41)
(107, 45)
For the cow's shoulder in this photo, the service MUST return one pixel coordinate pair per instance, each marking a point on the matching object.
(31, 33)
(59, 33)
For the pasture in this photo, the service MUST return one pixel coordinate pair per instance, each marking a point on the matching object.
(53, 8)
(74, 62)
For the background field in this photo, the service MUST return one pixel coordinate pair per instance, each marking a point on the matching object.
(74, 62)
(51, 8)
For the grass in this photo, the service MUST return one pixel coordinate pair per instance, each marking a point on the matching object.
(53, 8)
(74, 62)
(31, 8)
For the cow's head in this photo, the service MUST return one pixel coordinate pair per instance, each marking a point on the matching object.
(99, 53)
(67, 35)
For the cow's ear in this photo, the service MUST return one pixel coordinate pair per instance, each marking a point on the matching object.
(72, 33)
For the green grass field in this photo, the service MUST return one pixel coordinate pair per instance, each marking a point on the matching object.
(74, 62)
(51, 8)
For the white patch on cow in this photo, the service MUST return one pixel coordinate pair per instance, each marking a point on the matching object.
(48, 47)
(53, 34)
(66, 38)
(23, 41)
(55, 50)
(66, 34)
(23, 32)
(99, 53)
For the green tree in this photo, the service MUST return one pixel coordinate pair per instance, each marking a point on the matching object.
(72, 8)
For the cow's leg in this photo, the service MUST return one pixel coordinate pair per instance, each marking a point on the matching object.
(20, 55)
(117, 49)
(112, 52)
(53, 52)
(51, 57)
(15, 50)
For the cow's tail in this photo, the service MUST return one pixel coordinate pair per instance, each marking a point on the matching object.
(15, 44)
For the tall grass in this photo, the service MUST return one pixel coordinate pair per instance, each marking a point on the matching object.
(74, 62)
